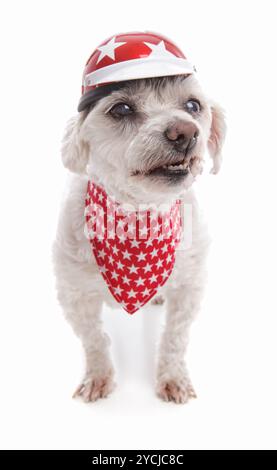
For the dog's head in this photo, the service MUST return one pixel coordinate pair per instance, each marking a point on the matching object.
(147, 137)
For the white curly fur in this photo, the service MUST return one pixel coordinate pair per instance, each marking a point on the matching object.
(97, 146)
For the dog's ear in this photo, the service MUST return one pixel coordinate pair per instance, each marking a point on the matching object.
(217, 136)
(74, 149)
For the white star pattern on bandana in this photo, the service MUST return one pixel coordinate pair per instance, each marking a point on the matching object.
(133, 268)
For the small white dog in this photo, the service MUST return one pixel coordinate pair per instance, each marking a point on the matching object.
(143, 141)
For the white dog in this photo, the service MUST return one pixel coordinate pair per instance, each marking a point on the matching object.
(144, 142)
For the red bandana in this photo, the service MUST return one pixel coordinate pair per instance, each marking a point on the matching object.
(135, 250)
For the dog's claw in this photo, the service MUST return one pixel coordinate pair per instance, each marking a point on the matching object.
(78, 391)
(178, 392)
(94, 388)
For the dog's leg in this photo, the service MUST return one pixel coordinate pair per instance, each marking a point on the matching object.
(84, 314)
(173, 383)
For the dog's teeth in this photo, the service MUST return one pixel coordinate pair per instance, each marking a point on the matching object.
(176, 167)
(181, 166)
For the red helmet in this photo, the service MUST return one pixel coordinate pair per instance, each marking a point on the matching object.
(131, 56)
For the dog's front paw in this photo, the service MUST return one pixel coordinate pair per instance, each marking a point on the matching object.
(93, 388)
(178, 391)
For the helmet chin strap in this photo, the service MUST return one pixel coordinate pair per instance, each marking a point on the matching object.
(134, 249)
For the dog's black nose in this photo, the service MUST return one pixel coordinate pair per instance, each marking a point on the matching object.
(183, 135)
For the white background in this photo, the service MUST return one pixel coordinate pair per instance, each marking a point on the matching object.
(232, 355)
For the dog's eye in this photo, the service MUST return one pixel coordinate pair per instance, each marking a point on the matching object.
(193, 106)
(121, 110)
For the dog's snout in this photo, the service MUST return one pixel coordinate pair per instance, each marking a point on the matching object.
(182, 135)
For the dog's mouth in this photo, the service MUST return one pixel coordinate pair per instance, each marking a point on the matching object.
(174, 172)
(180, 168)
